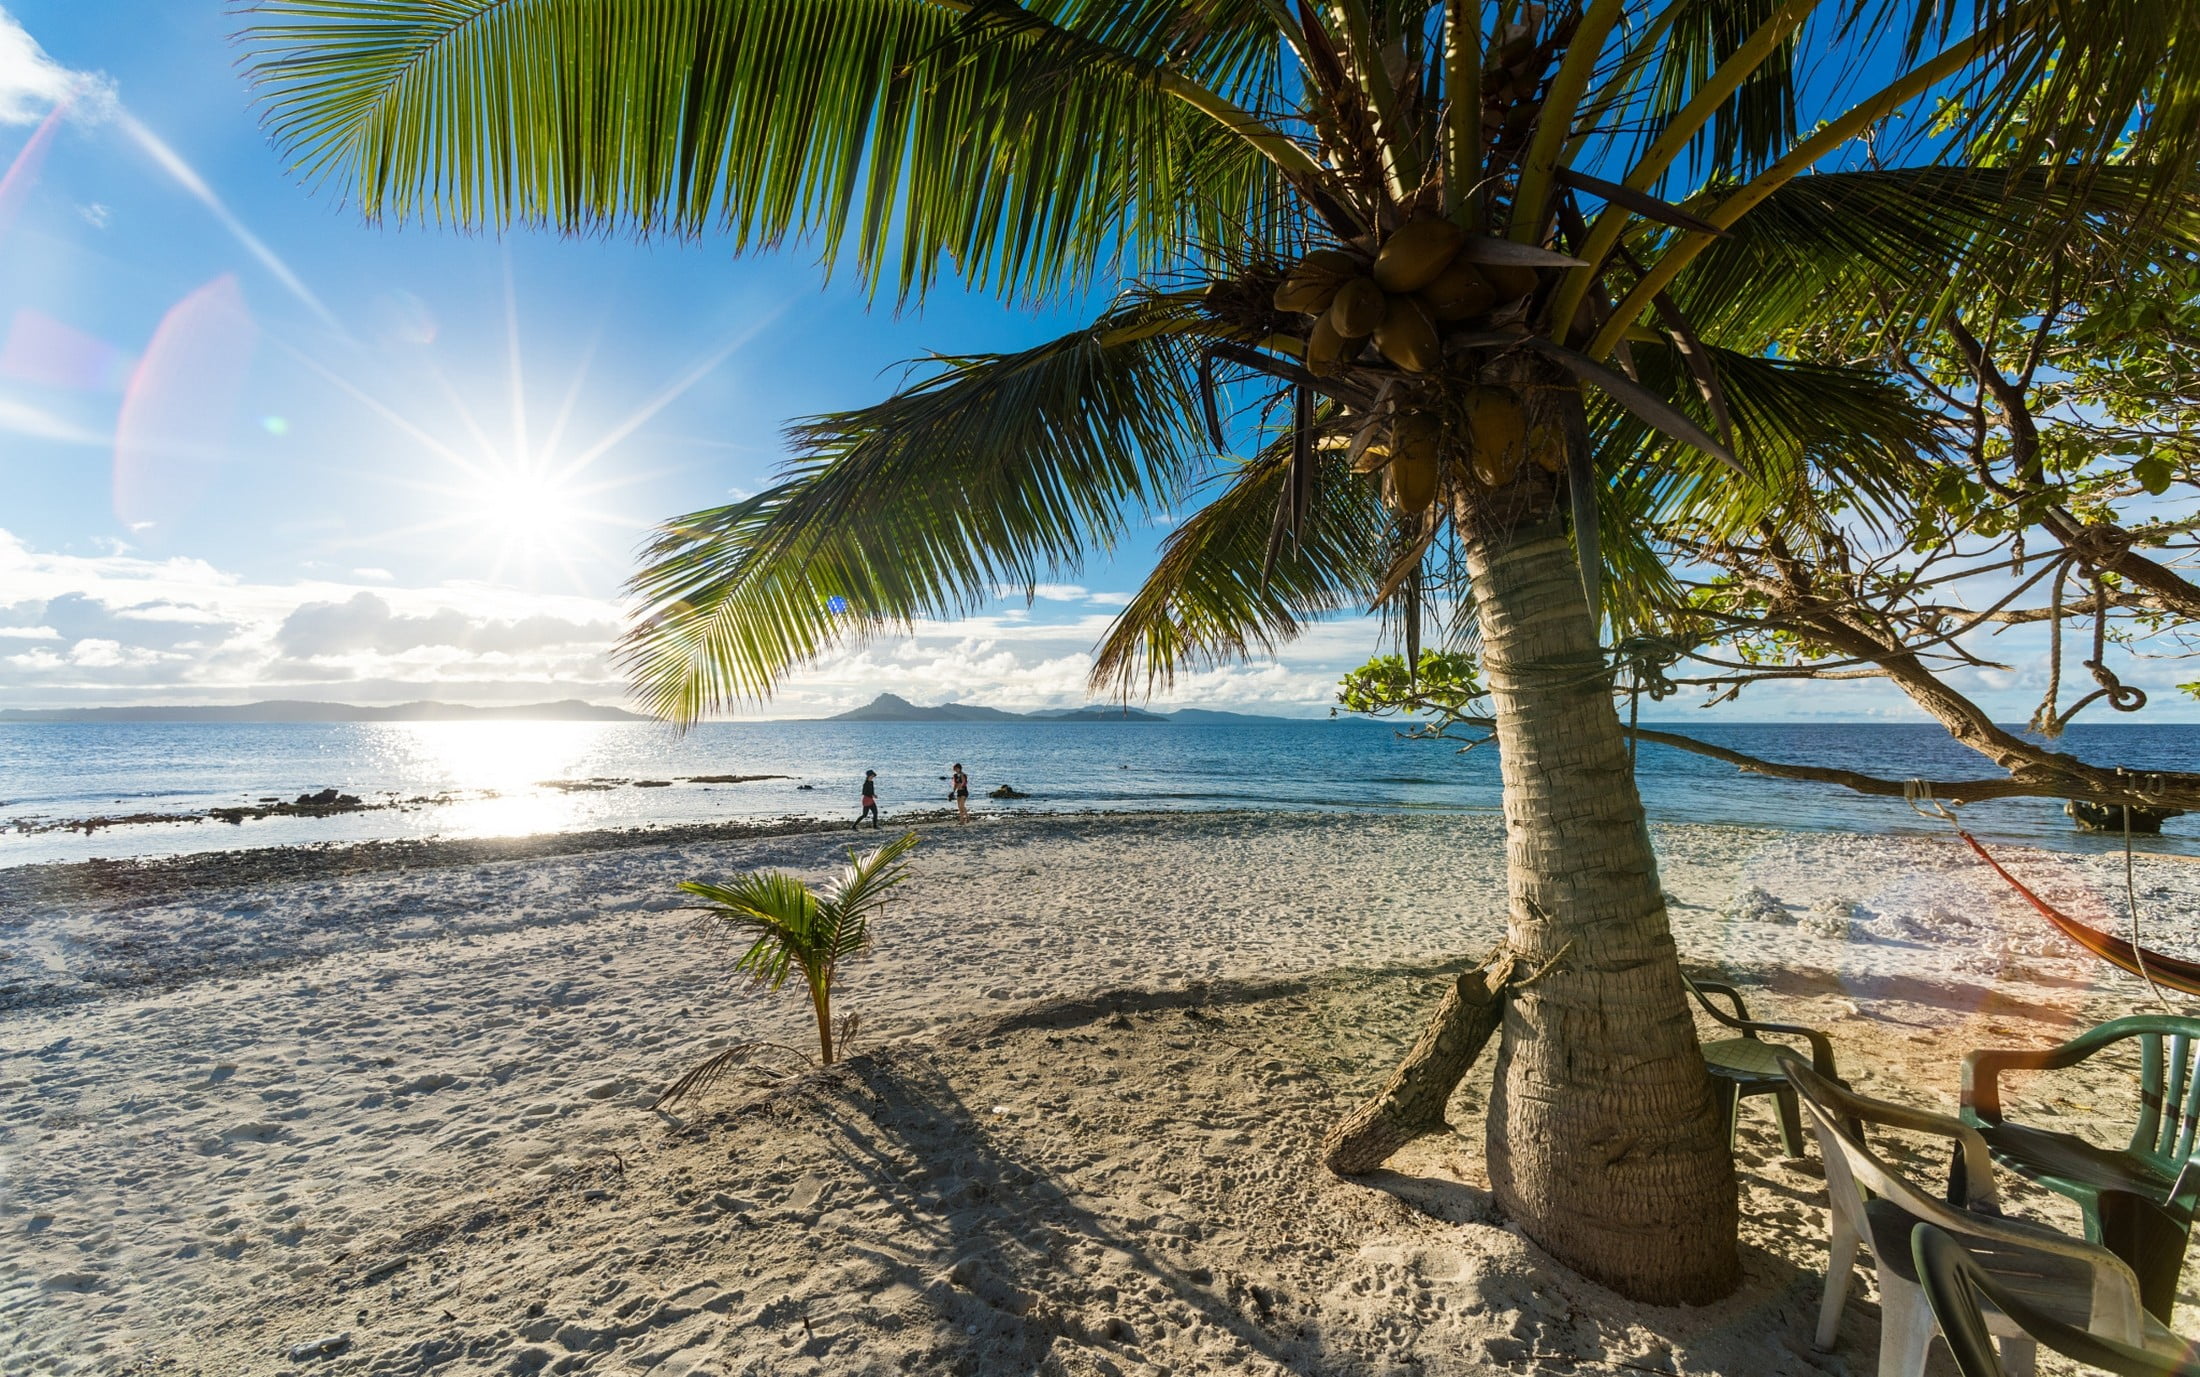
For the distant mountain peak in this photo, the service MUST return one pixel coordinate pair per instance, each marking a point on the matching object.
(892, 707)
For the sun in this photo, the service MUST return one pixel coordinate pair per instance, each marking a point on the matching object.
(527, 513)
(526, 508)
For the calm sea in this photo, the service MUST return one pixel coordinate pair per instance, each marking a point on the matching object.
(493, 778)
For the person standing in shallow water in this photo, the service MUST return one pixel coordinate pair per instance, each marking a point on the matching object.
(960, 792)
(870, 800)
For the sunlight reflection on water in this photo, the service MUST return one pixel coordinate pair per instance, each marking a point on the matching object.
(503, 765)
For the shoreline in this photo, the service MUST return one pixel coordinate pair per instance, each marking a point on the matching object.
(145, 877)
(169, 872)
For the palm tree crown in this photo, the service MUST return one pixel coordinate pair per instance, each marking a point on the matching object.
(791, 927)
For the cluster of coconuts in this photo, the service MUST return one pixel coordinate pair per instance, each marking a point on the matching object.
(1400, 301)
(1414, 286)
(1489, 422)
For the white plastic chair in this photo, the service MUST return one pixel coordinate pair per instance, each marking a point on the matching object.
(1876, 1206)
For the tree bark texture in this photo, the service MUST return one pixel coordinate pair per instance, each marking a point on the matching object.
(1606, 1141)
(1412, 1103)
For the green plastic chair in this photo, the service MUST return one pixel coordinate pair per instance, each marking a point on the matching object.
(2138, 1200)
(1961, 1294)
(1874, 1206)
(1748, 1065)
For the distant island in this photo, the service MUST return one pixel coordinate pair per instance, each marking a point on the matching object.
(887, 707)
(892, 707)
(293, 710)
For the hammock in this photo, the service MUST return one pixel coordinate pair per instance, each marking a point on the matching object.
(2147, 964)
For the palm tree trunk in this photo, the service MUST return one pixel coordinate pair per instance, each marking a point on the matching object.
(1606, 1141)
(821, 1004)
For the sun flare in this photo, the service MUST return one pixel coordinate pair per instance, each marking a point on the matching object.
(528, 510)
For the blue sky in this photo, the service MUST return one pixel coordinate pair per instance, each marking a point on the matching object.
(251, 447)
(223, 399)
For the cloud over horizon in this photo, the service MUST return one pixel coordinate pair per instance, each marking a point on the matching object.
(122, 627)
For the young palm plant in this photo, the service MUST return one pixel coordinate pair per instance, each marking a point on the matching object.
(1491, 279)
(792, 928)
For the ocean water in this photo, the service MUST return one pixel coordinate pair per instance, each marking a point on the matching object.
(493, 779)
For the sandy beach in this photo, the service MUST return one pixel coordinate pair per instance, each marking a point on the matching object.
(393, 1110)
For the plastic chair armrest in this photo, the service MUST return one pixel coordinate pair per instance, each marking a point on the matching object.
(1981, 1090)
(1704, 989)
(1821, 1047)
(1978, 1162)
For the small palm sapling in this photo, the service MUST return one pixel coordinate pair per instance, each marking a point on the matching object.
(792, 928)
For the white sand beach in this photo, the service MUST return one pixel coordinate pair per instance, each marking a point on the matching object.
(392, 1110)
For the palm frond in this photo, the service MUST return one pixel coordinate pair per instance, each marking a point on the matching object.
(998, 470)
(2087, 83)
(898, 131)
(861, 890)
(1882, 245)
(1638, 582)
(1209, 598)
(1758, 121)
(1818, 437)
(756, 1056)
(776, 911)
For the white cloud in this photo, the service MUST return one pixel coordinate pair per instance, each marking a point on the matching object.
(122, 628)
(365, 623)
(1048, 592)
(1055, 592)
(374, 575)
(96, 215)
(96, 654)
(32, 83)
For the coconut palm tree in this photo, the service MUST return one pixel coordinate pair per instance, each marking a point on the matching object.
(1474, 285)
(790, 927)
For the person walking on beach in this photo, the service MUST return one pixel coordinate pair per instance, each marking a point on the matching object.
(960, 792)
(870, 800)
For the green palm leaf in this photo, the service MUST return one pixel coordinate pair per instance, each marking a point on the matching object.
(789, 927)
(1756, 122)
(1814, 434)
(997, 471)
(1215, 595)
(1882, 244)
(902, 130)
(862, 887)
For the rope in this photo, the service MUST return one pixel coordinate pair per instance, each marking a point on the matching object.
(2131, 906)
(2121, 696)
(2153, 967)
